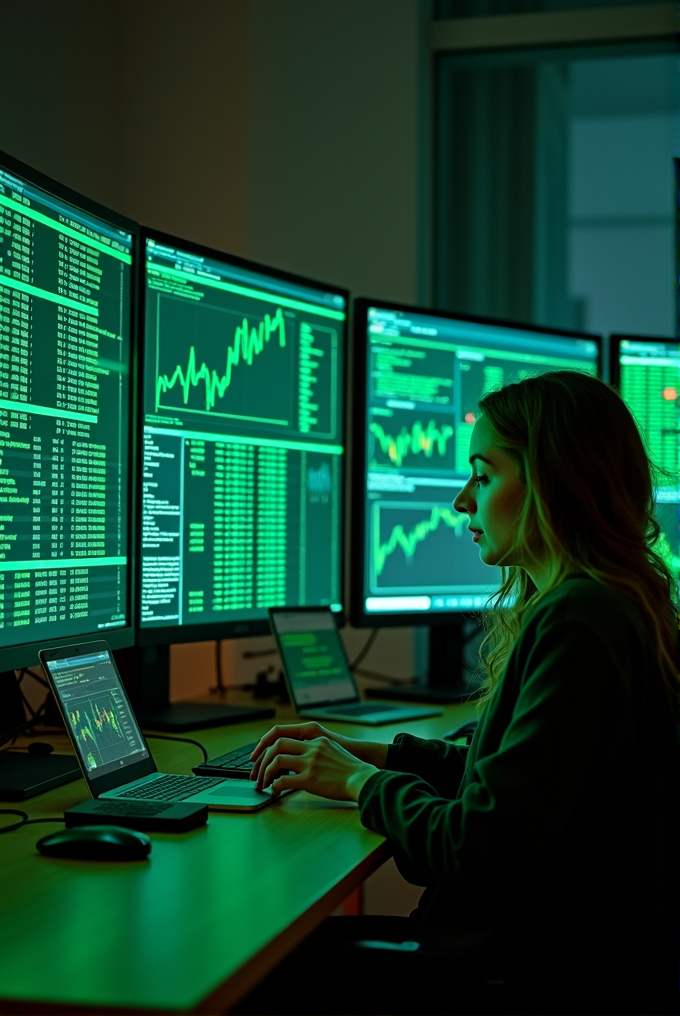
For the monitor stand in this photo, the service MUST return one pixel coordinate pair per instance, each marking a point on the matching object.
(446, 682)
(146, 674)
(23, 775)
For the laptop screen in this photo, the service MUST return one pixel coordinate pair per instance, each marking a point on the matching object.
(313, 656)
(97, 712)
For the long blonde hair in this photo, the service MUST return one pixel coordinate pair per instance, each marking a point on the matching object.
(589, 507)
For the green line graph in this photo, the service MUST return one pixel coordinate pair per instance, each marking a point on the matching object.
(408, 540)
(248, 343)
(418, 440)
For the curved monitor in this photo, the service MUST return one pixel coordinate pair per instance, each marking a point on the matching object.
(66, 337)
(419, 376)
(242, 407)
(646, 371)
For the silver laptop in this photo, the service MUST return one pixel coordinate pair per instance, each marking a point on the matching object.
(109, 745)
(320, 684)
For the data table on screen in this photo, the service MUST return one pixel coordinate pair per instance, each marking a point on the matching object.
(65, 324)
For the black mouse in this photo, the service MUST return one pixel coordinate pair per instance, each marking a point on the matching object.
(40, 748)
(96, 843)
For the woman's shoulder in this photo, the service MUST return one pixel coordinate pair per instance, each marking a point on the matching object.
(581, 599)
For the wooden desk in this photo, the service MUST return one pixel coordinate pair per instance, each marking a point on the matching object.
(199, 924)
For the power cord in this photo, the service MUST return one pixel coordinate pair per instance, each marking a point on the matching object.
(187, 740)
(25, 820)
(364, 651)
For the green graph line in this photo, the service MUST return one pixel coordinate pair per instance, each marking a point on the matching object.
(101, 717)
(248, 343)
(409, 541)
(418, 439)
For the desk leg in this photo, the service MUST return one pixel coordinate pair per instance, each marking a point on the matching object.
(352, 906)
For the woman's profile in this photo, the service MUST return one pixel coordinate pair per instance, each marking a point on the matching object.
(548, 848)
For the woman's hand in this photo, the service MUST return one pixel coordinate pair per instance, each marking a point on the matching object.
(371, 752)
(319, 765)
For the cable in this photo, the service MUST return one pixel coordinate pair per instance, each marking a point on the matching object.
(364, 651)
(25, 820)
(11, 735)
(36, 677)
(219, 688)
(251, 654)
(188, 740)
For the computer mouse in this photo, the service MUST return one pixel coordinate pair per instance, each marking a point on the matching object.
(40, 748)
(96, 843)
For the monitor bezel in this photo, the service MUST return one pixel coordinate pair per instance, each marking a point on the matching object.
(25, 654)
(615, 340)
(358, 616)
(174, 634)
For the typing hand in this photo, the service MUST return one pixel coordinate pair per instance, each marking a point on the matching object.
(371, 752)
(319, 765)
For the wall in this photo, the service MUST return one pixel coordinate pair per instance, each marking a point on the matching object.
(287, 131)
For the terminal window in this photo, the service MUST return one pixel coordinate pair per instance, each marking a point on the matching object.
(65, 309)
(650, 385)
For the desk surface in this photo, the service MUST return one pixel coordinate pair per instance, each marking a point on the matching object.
(196, 927)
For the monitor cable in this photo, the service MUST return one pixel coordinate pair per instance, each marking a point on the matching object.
(25, 820)
(220, 687)
(187, 740)
(363, 653)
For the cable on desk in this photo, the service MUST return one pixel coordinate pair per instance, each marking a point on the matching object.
(25, 820)
(365, 650)
(187, 740)
(11, 735)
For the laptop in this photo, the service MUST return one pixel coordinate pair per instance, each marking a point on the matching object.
(110, 747)
(317, 674)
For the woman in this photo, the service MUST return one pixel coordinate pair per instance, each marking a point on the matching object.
(549, 849)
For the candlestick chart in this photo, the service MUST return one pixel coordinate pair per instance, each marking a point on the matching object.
(96, 728)
(415, 446)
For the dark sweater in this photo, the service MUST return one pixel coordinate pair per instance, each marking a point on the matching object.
(550, 846)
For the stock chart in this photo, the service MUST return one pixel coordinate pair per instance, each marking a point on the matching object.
(243, 441)
(425, 375)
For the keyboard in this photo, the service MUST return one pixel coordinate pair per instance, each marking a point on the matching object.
(169, 788)
(233, 764)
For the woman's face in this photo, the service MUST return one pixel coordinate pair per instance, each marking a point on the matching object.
(492, 497)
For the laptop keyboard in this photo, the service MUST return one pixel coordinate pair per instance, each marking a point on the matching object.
(171, 788)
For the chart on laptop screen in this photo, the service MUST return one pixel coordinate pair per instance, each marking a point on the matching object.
(94, 704)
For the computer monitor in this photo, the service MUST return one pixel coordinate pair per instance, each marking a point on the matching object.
(646, 371)
(419, 375)
(67, 313)
(242, 411)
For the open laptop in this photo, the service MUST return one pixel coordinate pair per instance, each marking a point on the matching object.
(110, 747)
(320, 684)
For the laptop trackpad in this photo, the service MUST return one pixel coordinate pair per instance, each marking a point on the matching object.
(239, 792)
